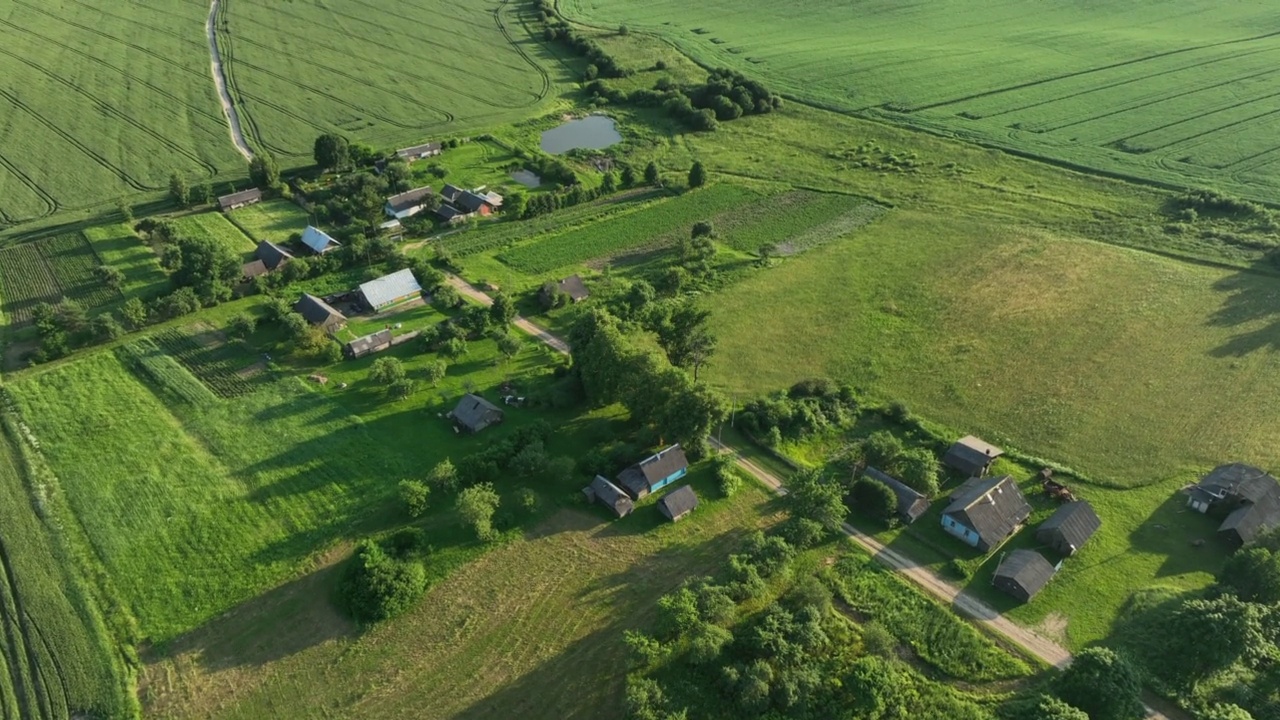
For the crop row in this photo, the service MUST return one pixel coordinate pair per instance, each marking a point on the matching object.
(25, 282)
(151, 363)
(659, 223)
(214, 365)
(783, 217)
(73, 261)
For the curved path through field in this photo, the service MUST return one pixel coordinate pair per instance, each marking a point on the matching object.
(220, 81)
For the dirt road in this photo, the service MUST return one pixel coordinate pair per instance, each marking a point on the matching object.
(468, 290)
(220, 82)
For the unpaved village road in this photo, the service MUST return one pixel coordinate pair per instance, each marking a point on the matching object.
(220, 82)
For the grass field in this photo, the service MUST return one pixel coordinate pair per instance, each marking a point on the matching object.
(215, 226)
(48, 270)
(119, 247)
(1180, 92)
(273, 220)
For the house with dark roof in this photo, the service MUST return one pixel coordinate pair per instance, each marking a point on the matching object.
(251, 270)
(678, 503)
(971, 456)
(449, 193)
(654, 472)
(574, 288)
(390, 289)
(418, 152)
(473, 203)
(407, 204)
(1070, 527)
(272, 255)
(984, 514)
(611, 496)
(911, 504)
(235, 201)
(318, 240)
(450, 214)
(474, 413)
(367, 345)
(318, 312)
(1246, 497)
(1023, 573)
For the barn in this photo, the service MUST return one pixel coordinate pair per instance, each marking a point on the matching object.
(971, 456)
(318, 312)
(235, 201)
(390, 289)
(678, 503)
(418, 152)
(1069, 528)
(318, 240)
(1022, 574)
(574, 288)
(367, 345)
(272, 255)
(611, 496)
(911, 504)
(474, 413)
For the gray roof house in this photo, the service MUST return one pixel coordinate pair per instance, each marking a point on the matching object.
(234, 201)
(390, 289)
(474, 413)
(318, 312)
(1069, 528)
(911, 504)
(971, 455)
(1023, 573)
(417, 152)
(1249, 497)
(654, 472)
(318, 240)
(272, 255)
(367, 345)
(574, 288)
(450, 192)
(407, 204)
(449, 213)
(984, 513)
(611, 496)
(472, 202)
(678, 503)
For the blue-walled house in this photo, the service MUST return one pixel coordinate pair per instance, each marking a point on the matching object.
(654, 472)
(985, 511)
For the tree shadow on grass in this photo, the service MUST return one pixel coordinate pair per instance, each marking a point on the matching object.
(1187, 539)
(1250, 298)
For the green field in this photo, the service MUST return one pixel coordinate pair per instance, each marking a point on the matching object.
(48, 270)
(1180, 92)
(215, 226)
(272, 220)
(119, 247)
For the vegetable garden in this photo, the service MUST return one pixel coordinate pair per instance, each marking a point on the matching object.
(47, 271)
(215, 364)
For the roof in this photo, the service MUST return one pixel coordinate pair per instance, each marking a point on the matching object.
(389, 288)
(575, 288)
(1254, 489)
(448, 212)
(611, 495)
(678, 502)
(362, 345)
(1026, 570)
(663, 464)
(992, 508)
(450, 192)
(419, 149)
(406, 200)
(1246, 481)
(476, 413)
(318, 240)
(253, 269)
(971, 454)
(1074, 523)
(272, 255)
(392, 224)
(239, 198)
(494, 198)
(471, 202)
(317, 311)
(1255, 517)
(911, 504)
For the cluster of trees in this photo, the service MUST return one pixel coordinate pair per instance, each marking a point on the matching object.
(917, 467)
(379, 585)
(726, 95)
(601, 63)
(809, 407)
(1212, 202)
(65, 326)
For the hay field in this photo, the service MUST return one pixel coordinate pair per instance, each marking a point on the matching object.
(1181, 91)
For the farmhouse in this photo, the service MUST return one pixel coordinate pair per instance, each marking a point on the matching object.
(1023, 573)
(235, 201)
(574, 288)
(474, 413)
(654, 472)
(471, 202)
(390, 289)
(407, 204)
(911, 504)
(985, 511)
(272, 255)
(611, 496)
(1069, 528)
(418, 152)
(678, 503)
(318, 312)
(1247, 496)
(450, 193)
(318, 240)
(449, 213)
(367, 345)
(971, 456)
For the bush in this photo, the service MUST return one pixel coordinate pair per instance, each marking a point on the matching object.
(443, 477)
(1103, 684)
(477, 506)
(730, 482)
(378, 587)
(415, 495)
(242, 326)
(874, 499)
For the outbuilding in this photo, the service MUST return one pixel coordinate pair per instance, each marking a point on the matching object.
(574, 288)
(971, 456)
(367, 345)
(678, 503)
(611, 496)
(474, 413)
(235, 201)
(408, 204)
(654, 472)
(911, 504)
(1246, 497)
(388, 290)
(1069, 528)
(318, 240)
(418, 152)
(272, 255)
(1022, 574)
(318, 312)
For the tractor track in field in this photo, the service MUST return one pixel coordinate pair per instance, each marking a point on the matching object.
(19, 647)
(220, 84)
(542, 72)
(50, 202)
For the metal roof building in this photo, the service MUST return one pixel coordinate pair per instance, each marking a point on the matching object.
(318, 240)
(390, 289)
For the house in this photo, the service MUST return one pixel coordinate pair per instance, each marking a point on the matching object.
(654, 472)
(390, 289)
(272, 255)
(474, 413)
(235, 201)
(450, 193)
(418, 152)
(911, 504)
(318, 240)
(1069, 528)
(1023, 573)
(678, 503)
(367, 345)
(251, 270)
(470, 202)
(984, 513)
(318, 312)
(392, 230)
(1247, 497)
(611, 496)
(574, 288)
(971, 456)
(450, 214)
(407, 204)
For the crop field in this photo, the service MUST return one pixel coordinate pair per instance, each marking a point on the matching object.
(1180, 91)
(206, 355)
(273, 220)
(47, 270)
(215, 226)
(794, 221)
(119, 247)
(301, 69)
(104, 100)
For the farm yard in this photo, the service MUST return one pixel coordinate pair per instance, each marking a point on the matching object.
(272, 220)
(48, 270)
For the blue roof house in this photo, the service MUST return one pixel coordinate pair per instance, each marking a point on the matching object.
(654, 472)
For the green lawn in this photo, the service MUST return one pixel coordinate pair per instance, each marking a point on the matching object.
(273, 220)
(215, 226)
(120, 247)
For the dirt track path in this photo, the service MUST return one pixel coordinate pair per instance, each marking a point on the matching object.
(468, 290)
(220, 81)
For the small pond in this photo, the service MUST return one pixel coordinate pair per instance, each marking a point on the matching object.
(589, 133)
(526, 178)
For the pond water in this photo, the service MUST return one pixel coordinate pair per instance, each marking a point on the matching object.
(590, 133)
(526, 178)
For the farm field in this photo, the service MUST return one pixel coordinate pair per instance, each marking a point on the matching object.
(273, 220)
(1180, 92)
(215, 226)
(119, 247)
(45, 271)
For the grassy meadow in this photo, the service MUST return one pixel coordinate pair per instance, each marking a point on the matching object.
(272, 220)
(215, 226)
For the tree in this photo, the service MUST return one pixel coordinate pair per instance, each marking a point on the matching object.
(204, 264)
(446, 296)
(623, 30)
(331, 152)
(881, 449)
(179, 190)
(1048, 707)
(415, 495)
(628, 176)
(1204, 636)
(378, 587)
(1102, 684)
(651, 176)
(591, 73)
(134, 312)
(477, 505)
(686, 338)
(1224, 711)
(109, 275)
(204, 194)
(105, 327)
(401, 388)
(508, 345)
(453, 349)
(766, 253)
(609, 184)
(295, 326)
(400, 179)
(125, 210)
(816, 497)
(386, 370)
(435, 372)
(514, 204)
(1253, 574)
(263, 170)
(874, 499)
(918, 469)
(503, 309)
(242, 325)
(697, 175)
(443, 477)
